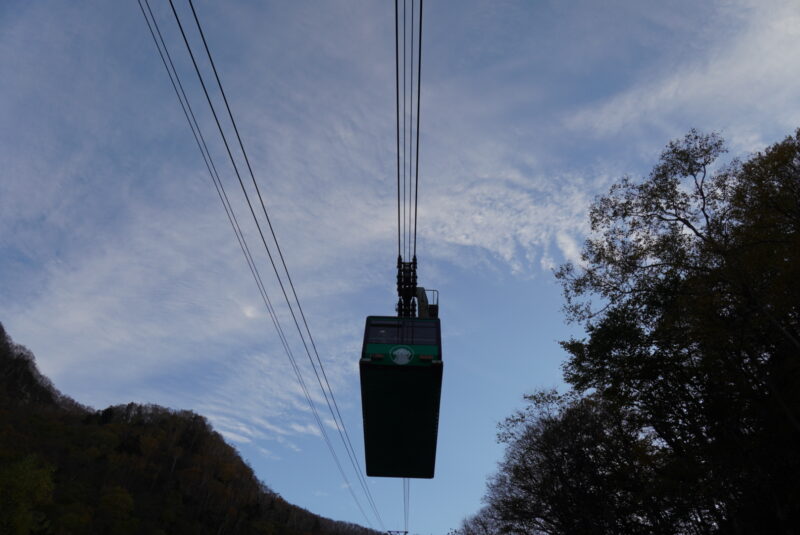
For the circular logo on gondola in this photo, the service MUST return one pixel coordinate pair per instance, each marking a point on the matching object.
(402, 355)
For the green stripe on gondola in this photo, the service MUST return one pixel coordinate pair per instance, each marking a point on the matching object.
(382, 354)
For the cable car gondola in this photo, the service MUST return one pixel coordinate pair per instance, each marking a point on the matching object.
(401, 382)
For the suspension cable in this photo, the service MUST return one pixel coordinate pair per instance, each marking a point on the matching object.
(410, 122)
(405, 220)
(209, 162)
(334, 410)
(231, 215)
(397, 109)
(419, 76)
(406, 502)
(408, 153)
(243, 244)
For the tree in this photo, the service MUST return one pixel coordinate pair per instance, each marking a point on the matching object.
(698, 329)
(482, 523)
(26, 486)
(684, 415)
(577, 465)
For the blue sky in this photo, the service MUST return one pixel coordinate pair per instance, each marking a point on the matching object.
(120, 271)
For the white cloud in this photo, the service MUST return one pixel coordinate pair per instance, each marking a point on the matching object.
(569, 247)
(267, 453)
(118, 268)
(730, 84)
(306, 429)
(137, 277)
(130, 283)
(233, 437)
(514, 222)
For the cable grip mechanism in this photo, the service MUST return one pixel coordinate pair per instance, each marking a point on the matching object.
(406, 288)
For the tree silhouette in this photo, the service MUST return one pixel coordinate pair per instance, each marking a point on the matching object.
(685, 411)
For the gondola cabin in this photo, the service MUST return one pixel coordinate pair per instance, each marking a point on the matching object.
(401, 383)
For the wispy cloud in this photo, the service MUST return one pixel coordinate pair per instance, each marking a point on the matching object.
(118, 268)
(744, 75)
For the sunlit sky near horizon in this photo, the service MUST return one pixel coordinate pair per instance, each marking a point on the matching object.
(119, 270)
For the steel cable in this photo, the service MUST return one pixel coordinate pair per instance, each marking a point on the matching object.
(334, 410)
(237, 230)
(419, 76)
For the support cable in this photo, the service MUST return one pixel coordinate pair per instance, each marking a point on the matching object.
(208, 160)
(397, 109)
(255, 273)
(419, 76)
(334, 410)
(406, 502)
(410, 123)
(405, 221)
(231, 215)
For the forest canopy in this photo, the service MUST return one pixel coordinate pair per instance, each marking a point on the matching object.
(127, 469)
(683, 414)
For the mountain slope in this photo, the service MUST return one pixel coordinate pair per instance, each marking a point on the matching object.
(66, 468)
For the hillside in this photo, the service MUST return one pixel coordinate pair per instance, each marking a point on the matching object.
(127, 469)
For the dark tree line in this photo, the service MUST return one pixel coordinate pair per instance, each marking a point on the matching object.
(128, 469)
(684, 410)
